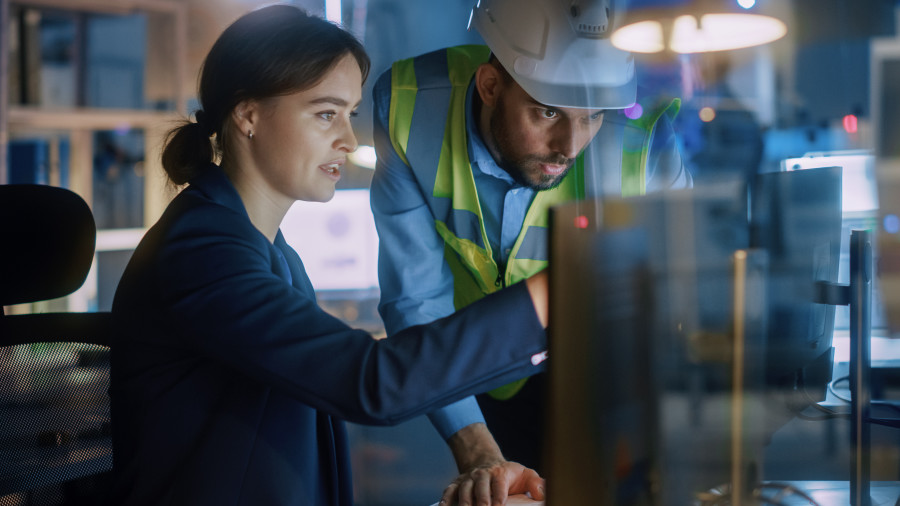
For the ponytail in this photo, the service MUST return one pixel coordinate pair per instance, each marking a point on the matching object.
(188, 150)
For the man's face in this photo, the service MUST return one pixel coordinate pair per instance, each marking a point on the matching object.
(537, 144)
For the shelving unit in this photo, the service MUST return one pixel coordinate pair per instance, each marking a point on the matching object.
(165, 72)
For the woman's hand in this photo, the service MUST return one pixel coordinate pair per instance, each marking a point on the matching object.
(539, 289)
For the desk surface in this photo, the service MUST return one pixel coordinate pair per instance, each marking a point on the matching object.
(835, 493)
(516, 500)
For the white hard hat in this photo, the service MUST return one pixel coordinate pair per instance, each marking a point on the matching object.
(559, 50)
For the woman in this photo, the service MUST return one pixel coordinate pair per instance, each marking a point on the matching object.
(229, 383)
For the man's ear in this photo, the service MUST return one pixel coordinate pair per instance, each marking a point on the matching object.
(489, 83)
(245, 116)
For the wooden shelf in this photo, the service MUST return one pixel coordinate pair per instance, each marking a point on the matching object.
(86, 118)
(106, 6)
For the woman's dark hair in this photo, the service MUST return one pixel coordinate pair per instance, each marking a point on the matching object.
(272, 51)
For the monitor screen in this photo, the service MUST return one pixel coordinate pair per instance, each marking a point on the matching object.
(888, 243)
(639, 371)
(796, 217)
(336, 240)
(653, 397)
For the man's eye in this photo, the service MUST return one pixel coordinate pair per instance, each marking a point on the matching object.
(549, 113)
(593, 118)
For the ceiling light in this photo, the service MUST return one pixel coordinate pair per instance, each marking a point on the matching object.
(695, 30)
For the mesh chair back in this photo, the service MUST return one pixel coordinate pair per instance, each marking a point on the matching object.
(55, 444)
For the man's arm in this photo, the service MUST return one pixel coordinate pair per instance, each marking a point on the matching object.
(417, 287)
(416, 283)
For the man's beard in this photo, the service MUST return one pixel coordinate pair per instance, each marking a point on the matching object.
(525, 170)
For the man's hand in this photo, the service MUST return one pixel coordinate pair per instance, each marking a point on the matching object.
(486, 486)
(486, 478)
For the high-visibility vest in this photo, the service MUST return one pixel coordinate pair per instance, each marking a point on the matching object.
(427, 127)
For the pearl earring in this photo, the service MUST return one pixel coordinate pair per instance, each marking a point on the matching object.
(250, 134)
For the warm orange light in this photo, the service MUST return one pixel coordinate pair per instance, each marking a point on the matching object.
(707, 114)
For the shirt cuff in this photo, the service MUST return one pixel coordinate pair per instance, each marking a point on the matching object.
(452, 417)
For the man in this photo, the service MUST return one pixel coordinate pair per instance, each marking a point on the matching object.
(474, 145)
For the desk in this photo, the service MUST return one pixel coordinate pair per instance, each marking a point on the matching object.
(517, 500)
(836, 493)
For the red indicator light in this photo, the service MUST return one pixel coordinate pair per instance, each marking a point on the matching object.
(581, 221)
(850, 123)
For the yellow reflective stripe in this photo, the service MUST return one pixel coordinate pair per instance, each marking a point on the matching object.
(508, 390)
(634, 170)
(403, 101)
(463, 61)
(538, 215)
(524, 268)
(477, 261)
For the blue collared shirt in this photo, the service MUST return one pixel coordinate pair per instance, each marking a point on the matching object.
(416, 283)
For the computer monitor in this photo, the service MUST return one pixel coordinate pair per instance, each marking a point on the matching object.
(653, 399)
(796, 217)
(640, 404)
(888, 242)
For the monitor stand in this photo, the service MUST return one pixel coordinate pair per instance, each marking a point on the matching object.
(858, 295)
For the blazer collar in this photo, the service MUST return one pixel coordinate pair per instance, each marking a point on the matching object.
(215, 185)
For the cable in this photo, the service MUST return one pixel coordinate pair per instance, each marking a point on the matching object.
(785, 487)
(721, 495)
(834, 392)
(831, 414)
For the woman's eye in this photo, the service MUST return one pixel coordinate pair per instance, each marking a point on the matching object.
(327, 116)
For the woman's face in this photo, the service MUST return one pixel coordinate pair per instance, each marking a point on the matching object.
(301, 141)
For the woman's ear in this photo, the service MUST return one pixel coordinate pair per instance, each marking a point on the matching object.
(489, 83)
(245, 116)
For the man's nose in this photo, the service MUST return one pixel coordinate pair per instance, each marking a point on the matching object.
(568, 139)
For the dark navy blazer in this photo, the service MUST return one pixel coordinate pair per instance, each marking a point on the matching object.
(230, 384)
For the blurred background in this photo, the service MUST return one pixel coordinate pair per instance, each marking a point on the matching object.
(88, 88)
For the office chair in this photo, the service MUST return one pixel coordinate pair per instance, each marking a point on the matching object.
(55, 444)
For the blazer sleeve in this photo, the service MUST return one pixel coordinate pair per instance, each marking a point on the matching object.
(214, 274)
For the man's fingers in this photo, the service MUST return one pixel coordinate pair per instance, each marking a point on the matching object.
(465, 492)
(534, 484)
(449, 496)
(500, 484)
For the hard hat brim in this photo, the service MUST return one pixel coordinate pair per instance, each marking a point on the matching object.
(580, 96)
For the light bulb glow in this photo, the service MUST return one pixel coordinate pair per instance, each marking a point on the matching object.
(746, 4)
(713, 32)
(707, 114)
(720, 32)
(642, 37)
(333, 10)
